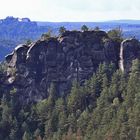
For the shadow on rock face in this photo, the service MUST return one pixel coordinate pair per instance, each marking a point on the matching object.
(73, 56)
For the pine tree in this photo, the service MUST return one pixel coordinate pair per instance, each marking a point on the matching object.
(133, 86)
(26, 136)
(138, 133)
(84, 28)
(62, 29)
(75, 97)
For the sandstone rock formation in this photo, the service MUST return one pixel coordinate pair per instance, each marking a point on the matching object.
(60, 60)
(130, 50)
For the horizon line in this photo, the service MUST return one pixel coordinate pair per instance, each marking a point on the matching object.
(72, 21)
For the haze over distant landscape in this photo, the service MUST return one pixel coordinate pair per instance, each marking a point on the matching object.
(71, 10)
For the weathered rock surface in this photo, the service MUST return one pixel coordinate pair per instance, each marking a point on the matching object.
(73, 56)
(130, 52)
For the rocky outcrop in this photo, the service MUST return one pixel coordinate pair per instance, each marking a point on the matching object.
(130, 50)
(60, 60)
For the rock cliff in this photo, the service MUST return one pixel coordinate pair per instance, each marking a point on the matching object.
(130, 50)
(60, 60)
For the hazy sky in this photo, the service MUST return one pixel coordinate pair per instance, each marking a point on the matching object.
(71, 10)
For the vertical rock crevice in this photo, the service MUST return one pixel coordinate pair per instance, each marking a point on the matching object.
(121, 63)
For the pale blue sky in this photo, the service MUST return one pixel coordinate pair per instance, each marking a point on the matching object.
(71, 10)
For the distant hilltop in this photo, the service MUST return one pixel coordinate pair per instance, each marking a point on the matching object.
(11, 19)
(14, 31)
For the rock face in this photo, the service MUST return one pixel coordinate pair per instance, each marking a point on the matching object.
(73, 56)
(130, 50)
